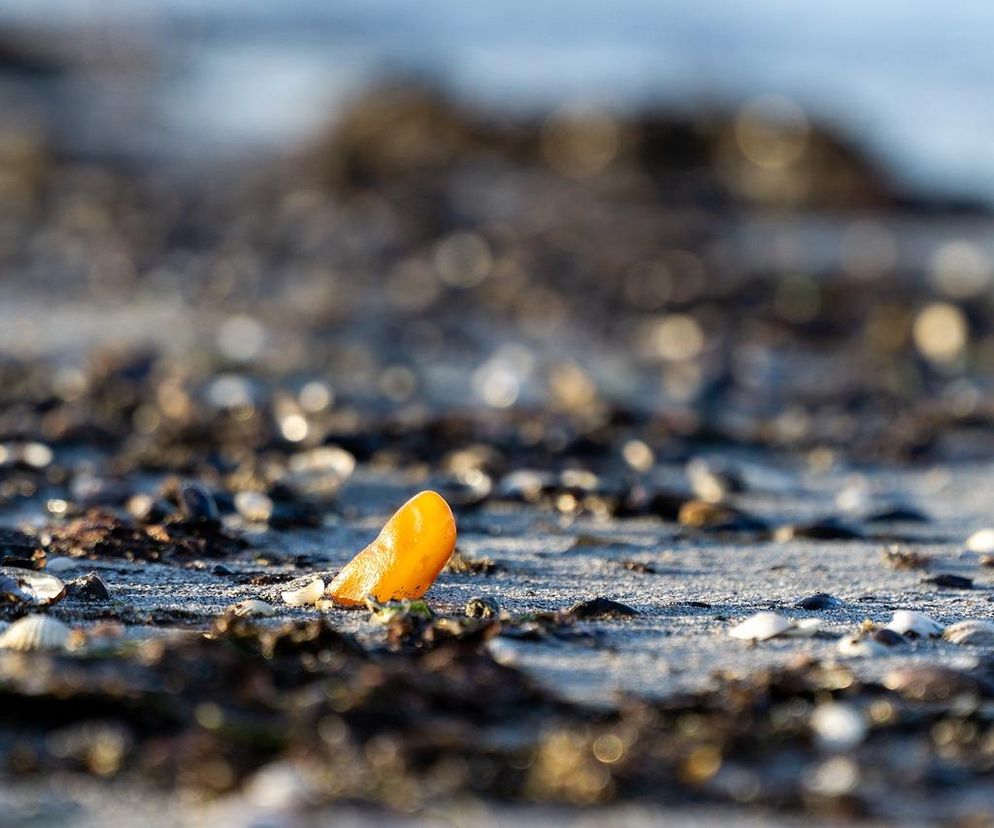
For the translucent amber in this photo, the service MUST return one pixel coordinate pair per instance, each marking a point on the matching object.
(405, 558)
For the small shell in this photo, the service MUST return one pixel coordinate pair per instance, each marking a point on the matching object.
(35, 633)
(838, 726)
(305, 595)
(970, 632)
(761, 626)
(981, 541)
(37, 588)
(913, 624)
(859, 647)
(250, 607)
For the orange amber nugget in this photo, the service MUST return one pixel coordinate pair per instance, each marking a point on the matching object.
(405, 558)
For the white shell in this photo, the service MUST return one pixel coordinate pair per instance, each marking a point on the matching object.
(803, 628)
(981, 541)
(761, 626)
(858, 647)
(44, 588)
(251, 606)
(838, 726)
(305, 595)
(913, 624)
(970, 632)
(35, 633)
(53, 565)
(255, 507)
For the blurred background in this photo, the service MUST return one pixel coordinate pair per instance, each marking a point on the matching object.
(763, 223)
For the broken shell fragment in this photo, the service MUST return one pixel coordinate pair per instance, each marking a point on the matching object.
(252, 607)
(404, 559)
(308, 594)
(36, 633)
(26, 586)
(913, 624)
(970, 632)
(802, 628)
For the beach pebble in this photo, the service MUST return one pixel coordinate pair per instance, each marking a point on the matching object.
(90, 587)
(819, 601)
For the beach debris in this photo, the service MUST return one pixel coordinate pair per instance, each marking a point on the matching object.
(838, 726)
(310, 593)
(639, 566)
(459, 564)
(36, 633)
(598, 608)
(981, 541)
(948, 581)
(477, 607)
(901, 557)
(27, 586)
(970, 632)
(404, 559)
(819, 601)
(255, 507)
(912, 624)
(766, 625)
(251, 607)
(91, 587)
(389, 611)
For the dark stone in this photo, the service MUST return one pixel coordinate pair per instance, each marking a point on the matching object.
(947, 581)
(600, 608)
(819, 601)
(90, 587)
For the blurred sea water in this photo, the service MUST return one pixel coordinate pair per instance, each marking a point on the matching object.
(909, 83)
